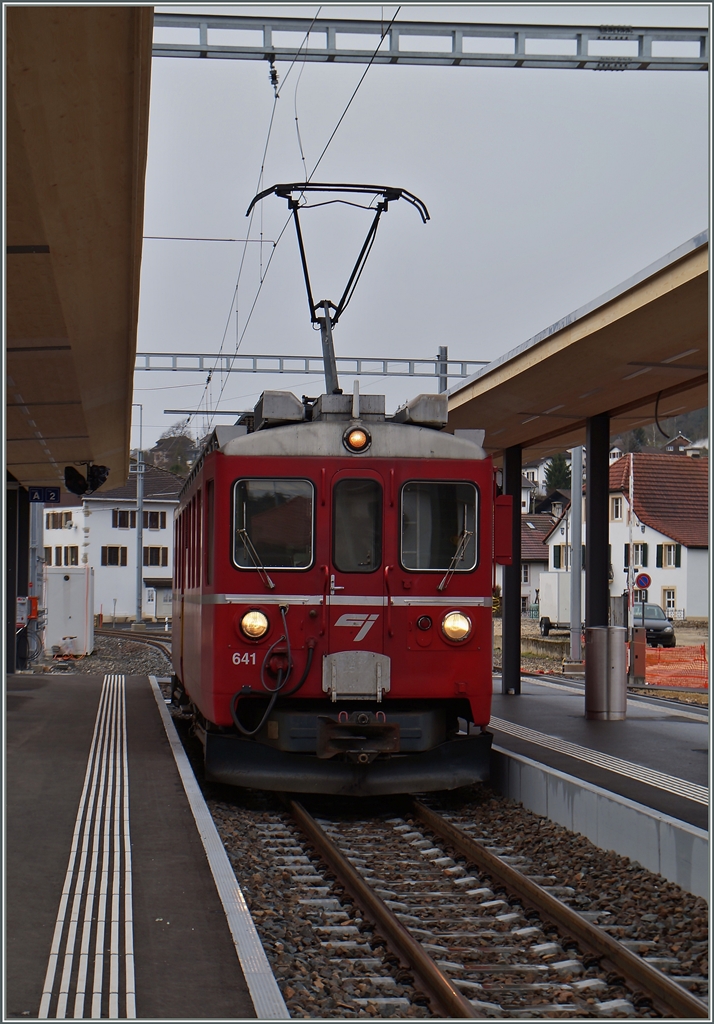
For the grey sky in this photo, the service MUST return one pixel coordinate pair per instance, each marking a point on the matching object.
(545, 189)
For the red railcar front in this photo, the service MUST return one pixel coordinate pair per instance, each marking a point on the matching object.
(333, 601)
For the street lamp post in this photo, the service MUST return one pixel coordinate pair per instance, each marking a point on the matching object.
(139, 622)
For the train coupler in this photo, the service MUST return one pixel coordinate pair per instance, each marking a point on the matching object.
(360, 735)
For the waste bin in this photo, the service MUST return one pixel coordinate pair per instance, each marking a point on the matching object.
(605, 673)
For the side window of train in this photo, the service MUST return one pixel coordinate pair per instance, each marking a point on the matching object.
(273, 524)
(439, 526)
(357, 525)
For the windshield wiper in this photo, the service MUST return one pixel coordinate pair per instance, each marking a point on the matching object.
(458, 555)
(255, 558)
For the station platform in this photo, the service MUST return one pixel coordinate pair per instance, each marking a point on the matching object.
(121, 901)
(650, 756)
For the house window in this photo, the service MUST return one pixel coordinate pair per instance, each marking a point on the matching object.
(524, 606)
(525, 573)
(154, 520)
(71, 555)
(57, 520)
(561, 556)
(48, 556)
(616, 508)
(670, 447)
(530, 474)
(639, 556)
(641, 596)
(113, 556)
(156, 556)
(123, 519)
(669, 599)
(669, 556)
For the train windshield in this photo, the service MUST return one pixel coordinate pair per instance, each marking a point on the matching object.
(357, 526)
(438, 526)
(273, 524)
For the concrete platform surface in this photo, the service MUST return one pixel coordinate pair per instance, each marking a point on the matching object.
(657, 756)
(112, 908)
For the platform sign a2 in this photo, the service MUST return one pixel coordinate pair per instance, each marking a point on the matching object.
(46, 495)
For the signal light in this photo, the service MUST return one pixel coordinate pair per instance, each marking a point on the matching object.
(456, 626)
(357, 440)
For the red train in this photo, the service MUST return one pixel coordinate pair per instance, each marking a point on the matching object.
(332, 597)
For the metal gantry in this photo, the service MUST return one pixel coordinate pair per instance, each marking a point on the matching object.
(372, 366)
(329, 40)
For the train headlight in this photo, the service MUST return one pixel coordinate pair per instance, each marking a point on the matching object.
(456, 626)
(357, 439)
(254, 625)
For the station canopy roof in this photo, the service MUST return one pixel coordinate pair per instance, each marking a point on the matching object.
(77, 126)
(639, 353)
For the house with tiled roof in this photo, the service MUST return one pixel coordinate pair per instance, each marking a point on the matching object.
(534, 556)
(102, 532)
(664, 539)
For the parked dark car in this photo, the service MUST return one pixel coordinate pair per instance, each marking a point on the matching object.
(660, 631)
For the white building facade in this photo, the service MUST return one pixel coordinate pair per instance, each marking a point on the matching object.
(665, 537)
(102, 532)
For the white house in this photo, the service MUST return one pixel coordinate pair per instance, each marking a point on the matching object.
(668, 531)
(101, 532)
(534, 556)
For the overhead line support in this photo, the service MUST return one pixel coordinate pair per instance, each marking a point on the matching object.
(593, 47)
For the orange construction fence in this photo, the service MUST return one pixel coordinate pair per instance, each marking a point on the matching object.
(678, 666)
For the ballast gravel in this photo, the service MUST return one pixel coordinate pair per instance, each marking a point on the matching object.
(654, 917)
(112, 655)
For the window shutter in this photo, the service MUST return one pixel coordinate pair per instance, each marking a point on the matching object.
(104, 556)
(114, 519)
(164, 553)
(145, 518)
(582, 556)
(146, 556)
(556, 556)
(163, 520)
(122, 553)
(644, 556)
(132, 520)
(660, 555)
(627, 556)
(678, 556)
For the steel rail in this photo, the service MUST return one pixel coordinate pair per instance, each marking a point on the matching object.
(666, 993)
(444, 995)
(163, 645)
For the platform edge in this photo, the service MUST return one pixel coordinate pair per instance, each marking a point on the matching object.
(665, 845)
(264, 990)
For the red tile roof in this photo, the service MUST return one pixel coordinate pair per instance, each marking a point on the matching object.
(533, 548)
(670, 495)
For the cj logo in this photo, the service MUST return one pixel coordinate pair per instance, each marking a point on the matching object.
(365, 621)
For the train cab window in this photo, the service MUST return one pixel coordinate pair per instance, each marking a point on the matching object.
(439, 526)
(357, 525)
(273, 524)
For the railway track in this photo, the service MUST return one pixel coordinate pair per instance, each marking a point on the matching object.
(149, 640)
(421, 919)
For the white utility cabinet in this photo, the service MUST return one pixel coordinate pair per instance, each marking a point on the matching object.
(69, 599)
(554, 600)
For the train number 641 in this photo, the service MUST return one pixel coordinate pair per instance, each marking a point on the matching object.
(244, 659)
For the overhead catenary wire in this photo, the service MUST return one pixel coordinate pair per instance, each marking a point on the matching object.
(309, 178)
(250, 224)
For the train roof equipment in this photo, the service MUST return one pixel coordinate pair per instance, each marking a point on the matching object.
(295, 195)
